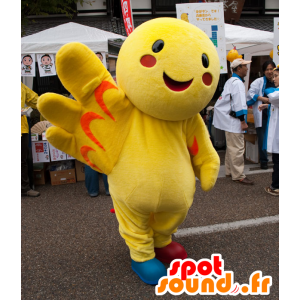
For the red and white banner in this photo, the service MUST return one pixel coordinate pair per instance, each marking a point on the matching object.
(127, 16)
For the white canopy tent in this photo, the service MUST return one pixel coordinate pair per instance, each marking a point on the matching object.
(51, 40)
(250, 42)
(246, 40)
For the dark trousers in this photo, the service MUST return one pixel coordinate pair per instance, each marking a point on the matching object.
(24, 165)
(275, 174)
(29, 157)
(92, 181)
(263, 156)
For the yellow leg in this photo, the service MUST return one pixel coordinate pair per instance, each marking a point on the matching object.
(143, 232)
(135, 230)
(164, 224)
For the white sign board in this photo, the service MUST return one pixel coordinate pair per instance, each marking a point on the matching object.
(276, 42)
(40, 152)
(56, 154)
(28, 65)
(46, 64)
(209, 17)
(69, 157)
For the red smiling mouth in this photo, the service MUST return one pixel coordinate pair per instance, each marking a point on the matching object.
(176, 86)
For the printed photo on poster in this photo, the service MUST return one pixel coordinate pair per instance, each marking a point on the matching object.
(102, 56)
(28, 65)
(46, 63)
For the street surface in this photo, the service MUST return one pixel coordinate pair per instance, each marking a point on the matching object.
(71, 247)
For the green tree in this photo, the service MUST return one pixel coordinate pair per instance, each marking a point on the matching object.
(46, 7)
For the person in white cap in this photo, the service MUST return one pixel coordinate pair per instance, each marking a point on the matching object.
(230, 115)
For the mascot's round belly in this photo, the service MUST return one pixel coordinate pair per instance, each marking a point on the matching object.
(154, 171)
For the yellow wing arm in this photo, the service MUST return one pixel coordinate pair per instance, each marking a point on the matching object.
(93, 128)
(205, 160)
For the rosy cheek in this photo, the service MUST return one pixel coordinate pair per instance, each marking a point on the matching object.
(148, 61)
(207, 79)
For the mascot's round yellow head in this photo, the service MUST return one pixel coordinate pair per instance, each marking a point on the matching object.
(168, 68)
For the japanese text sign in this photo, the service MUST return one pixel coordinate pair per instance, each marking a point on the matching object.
(56, 154)
(231, 5)
(40, 152)
(209, 17)
(127, 16)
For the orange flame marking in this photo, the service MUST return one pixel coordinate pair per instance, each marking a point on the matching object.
(85, 121)
(84, 151)
(194, 149)
(104, 86)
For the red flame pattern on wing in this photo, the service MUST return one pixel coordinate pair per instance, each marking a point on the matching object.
(85, 121)
(84, 151)
(104, 86)
(88, 117)
(194, 149)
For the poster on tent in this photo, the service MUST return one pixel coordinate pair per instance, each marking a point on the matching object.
(46, 63)
(209, 17)
(276, 42)
(102, 56)
(28, 65)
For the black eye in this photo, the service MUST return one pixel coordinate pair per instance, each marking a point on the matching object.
(157, 46)
(205, 61)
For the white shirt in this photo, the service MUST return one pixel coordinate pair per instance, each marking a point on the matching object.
(271, 139)
(257, 88)
(222, 120)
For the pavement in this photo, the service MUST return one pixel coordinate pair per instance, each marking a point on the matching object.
(71, 247)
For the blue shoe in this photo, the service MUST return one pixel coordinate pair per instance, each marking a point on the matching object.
(149, 271)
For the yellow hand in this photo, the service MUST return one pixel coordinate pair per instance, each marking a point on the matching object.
(93, 128)
(209, 173)
(205, 159)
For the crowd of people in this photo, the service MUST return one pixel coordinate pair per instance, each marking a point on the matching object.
(230, 115)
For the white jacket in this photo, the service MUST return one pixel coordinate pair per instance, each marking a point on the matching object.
(222, 120)
(271, 139)
(257, 88)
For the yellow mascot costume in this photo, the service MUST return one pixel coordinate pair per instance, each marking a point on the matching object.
(145, 133)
